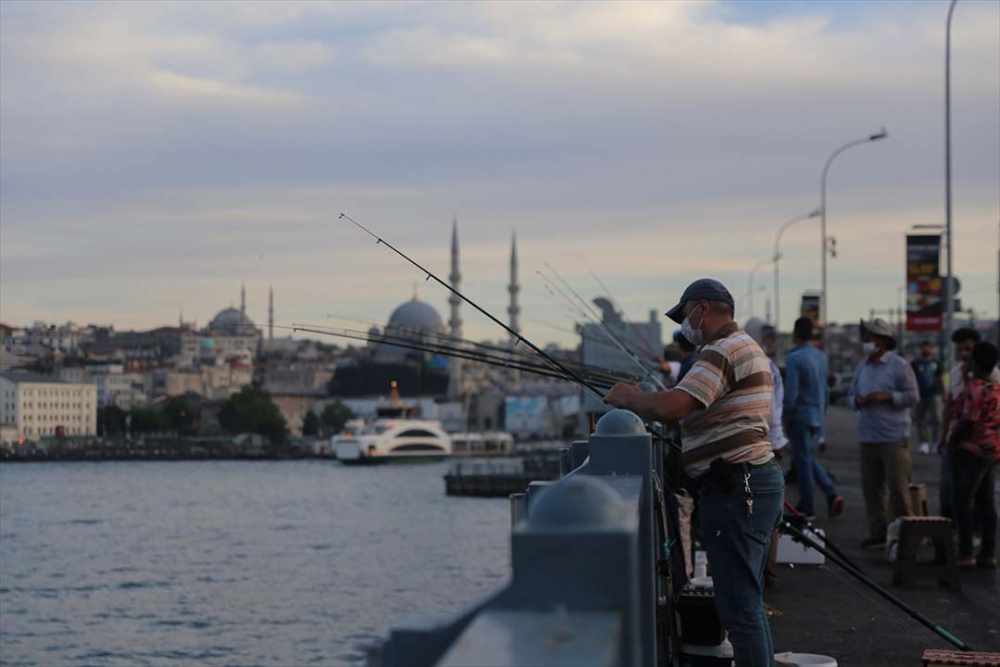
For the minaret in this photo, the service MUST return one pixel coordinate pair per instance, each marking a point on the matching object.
(243, 298)
(513, 310)
(455, 321)
(270, 313)
(455, 278)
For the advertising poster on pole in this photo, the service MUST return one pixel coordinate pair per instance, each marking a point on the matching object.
(924, 286)
(810, 308)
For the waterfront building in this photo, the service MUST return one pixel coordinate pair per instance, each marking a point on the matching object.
(42, 405)
(114, 385)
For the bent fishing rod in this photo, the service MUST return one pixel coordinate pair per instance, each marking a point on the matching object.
(535, 369)
(518, 338)
(445, 339)
(467, 352)
(910, 611)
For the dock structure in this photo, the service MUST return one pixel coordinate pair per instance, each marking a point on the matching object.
(590, 577)
(500, 478)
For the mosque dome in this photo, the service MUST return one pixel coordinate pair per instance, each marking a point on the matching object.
(231, 322)
(416, 315)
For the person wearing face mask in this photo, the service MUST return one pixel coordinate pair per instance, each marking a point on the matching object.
(884, 393)
(723, 405)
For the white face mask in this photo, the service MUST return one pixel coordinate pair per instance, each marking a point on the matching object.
(869, 348)
(695, 336)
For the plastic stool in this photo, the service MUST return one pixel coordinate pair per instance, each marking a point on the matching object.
(918, 500)
(938, 529)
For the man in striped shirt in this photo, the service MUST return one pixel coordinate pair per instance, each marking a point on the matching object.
(723, 405)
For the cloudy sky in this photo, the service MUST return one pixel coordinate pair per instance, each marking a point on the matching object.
(153, 157)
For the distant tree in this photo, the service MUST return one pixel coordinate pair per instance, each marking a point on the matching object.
(253, 411)
(111, 420)
(149, 420)
(310, 424)
(334, 416)
(183, 418)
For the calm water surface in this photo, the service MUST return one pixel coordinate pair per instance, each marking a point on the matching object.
(232, 563)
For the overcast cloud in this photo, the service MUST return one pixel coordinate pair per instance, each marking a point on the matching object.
(155, 156)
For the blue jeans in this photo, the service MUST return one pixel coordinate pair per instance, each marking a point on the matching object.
(737, 545)
(808, 469)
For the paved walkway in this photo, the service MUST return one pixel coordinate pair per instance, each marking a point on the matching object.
(824, 610)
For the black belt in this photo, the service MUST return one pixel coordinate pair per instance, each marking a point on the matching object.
(723, 474)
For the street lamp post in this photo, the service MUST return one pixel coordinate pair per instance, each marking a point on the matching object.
(949, 293)
(777, 290)
(882, 134)
(753, 271)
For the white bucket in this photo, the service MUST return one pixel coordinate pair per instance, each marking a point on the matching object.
(804, 660)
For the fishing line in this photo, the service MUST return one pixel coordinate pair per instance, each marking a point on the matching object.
(518, 338)
(614, 302)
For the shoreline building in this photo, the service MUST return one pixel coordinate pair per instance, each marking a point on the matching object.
(40, 405)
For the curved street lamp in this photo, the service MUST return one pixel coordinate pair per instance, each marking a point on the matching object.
(753, 271)
(777, 290)
(882, 134)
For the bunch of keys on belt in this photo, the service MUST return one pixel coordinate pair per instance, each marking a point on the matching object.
(747, 493)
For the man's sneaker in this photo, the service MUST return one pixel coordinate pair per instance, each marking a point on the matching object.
(873, 543)
(925, 448)
(836, 506)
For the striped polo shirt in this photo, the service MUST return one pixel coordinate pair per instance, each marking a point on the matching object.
(732, 380)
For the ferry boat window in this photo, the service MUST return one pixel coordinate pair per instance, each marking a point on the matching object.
(418, 448)
(416, 433)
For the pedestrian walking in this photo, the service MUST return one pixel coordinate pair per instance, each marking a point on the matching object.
(724, 407)
(928, 412)
(884, 392)
(974, 444)
(807, 396)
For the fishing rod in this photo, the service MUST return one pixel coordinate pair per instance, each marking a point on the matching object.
(518, 338)
(599, 319)
(445, 338)
(603, 327)
(579, 331)
(614, 302)
(650, 382)
(536, 369)
(857, 574)
(826, 540)
(445, 348)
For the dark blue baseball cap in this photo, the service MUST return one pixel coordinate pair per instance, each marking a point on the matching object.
(703, 288)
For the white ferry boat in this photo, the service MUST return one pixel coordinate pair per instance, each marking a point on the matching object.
(396, 434)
